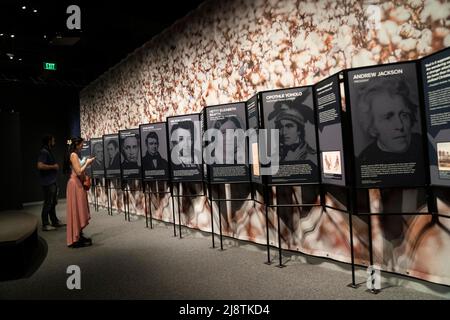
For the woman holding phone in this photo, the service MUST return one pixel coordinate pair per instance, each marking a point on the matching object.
(78, 214)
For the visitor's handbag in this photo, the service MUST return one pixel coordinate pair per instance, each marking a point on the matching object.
(87, 183)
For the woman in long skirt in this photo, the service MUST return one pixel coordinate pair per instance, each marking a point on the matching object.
(78, 214)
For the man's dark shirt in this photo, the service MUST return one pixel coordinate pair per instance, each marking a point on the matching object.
(47, 177)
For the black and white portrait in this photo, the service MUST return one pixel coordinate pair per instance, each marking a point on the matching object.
(112, 157)
(185, 147)
(291, 112)
(290, 118)
(230, 157)
(130, 154)
(154, 150)
(386, 124)
(97, 151)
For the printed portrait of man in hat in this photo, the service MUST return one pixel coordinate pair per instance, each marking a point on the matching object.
(290, 119)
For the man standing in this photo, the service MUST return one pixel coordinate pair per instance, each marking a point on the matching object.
(48, 170)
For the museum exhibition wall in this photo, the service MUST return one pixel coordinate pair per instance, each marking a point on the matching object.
(226, 52)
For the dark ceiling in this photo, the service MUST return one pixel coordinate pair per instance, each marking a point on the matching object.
(109, 31)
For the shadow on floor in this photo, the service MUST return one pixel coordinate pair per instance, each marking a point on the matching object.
(24, 267)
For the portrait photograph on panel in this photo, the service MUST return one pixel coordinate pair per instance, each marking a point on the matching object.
(185, 143)
(98, 166)
(386, 124)
(291, 112)
(130, 156)
(231, 165)
(155, 165)
(111, 155)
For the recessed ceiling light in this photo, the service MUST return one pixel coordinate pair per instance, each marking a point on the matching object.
(45, 37)
(20, 59)
(1, 34)
(35, 11)
(24, 7)
(12, 36)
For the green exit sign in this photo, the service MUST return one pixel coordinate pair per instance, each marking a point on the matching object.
(49, 66)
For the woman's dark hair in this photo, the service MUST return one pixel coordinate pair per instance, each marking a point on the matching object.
(71, 148)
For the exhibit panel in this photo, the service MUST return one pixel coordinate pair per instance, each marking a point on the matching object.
(226, 148)
(112, 155)
(98, 166)
(386, 125)
(289, 119)
(155, 164)
(331, 146)
(185, 145)
(436, 88)
(253, 119)
(130, 154)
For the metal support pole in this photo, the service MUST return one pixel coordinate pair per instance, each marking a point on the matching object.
(128, 203)
(150, 204)
(266, 205)
(179, 210)
(211, 203)
(124, 197)
(95, 194)
(280, 251)
(145, 204)
(107, 194)
(110, 199)
(220, 216)
(369, 224)
(173, 210)
(351, 206)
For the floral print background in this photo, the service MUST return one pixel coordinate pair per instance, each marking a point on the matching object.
(226, 51)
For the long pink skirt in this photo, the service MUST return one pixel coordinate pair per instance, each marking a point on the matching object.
(78, 214)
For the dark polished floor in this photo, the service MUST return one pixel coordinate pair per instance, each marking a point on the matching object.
(128, 261)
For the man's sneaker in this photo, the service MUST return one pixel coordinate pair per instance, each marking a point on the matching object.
(59, 225)
(48, 228)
